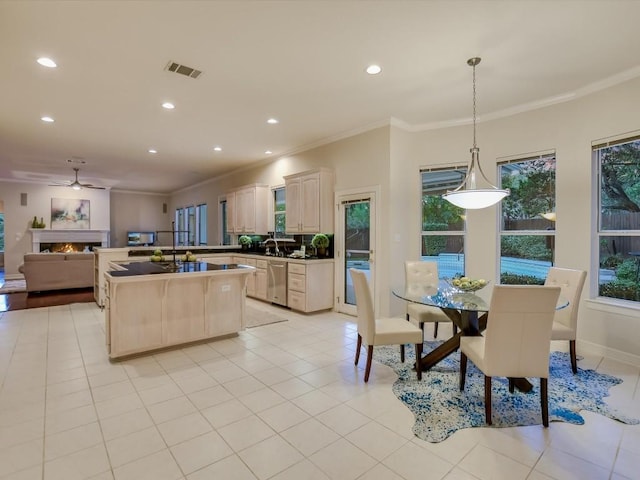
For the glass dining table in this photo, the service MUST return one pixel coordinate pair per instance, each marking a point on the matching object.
(469, 311)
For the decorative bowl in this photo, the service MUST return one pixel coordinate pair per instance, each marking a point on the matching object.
(466, 284)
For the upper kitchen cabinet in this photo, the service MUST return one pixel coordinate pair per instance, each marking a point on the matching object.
(309, 197)
(248, 210)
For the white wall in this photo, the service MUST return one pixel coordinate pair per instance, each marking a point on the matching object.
(138, 212)
(569, 128)
(18, 218)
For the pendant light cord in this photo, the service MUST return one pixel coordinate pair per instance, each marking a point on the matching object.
(474, 105)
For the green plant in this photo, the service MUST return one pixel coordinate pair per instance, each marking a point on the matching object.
(507, 278)
(320, 240)
(244, 240)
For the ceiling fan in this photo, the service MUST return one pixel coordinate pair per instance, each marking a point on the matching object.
(76, 185)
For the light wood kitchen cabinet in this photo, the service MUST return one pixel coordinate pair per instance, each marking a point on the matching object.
(261, 279)
(310, 286)
(309, 197)
(248, 210)
(147, 312)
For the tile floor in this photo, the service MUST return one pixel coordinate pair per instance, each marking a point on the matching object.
(282, 401)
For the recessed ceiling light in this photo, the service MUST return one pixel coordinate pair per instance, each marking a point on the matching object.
(268, 152)
(217, 149)
(47, 119)
(47, 62)
(152, 150)
(272, 121)
(168, 105)
(374, 69)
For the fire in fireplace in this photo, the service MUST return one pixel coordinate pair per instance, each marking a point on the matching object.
(68, 247)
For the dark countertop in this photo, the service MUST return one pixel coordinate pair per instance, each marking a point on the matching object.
(147, 252)
(151, 268)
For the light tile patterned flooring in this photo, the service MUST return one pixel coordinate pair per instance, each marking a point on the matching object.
(283, 401)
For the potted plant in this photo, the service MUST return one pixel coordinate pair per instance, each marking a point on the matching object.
(320, 242)
(245, 241)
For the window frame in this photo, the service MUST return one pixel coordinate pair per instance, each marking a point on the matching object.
(458, 173)
(598, 233)
(528, 232)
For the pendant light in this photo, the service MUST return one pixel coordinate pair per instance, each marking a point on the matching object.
(467, 195)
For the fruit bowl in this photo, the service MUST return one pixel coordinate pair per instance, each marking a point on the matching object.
(466, 284)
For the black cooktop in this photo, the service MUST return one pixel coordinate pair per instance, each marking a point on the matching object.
(151, 268)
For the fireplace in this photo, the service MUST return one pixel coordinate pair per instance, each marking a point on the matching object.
(67, 240)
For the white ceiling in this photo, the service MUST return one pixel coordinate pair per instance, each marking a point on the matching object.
(299, 61)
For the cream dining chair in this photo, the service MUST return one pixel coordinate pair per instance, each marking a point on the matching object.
(419, 275)
(516, 342)
(565, 322)
(380, 331)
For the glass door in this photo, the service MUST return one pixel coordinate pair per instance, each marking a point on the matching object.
(355, 245)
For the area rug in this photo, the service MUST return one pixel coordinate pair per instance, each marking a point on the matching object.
(440, 408)
(257, 318)
(13, 286)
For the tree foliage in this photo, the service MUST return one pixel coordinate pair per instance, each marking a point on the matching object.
(533, 186)
(620, 168)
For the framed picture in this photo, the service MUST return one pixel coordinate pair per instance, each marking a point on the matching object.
(69, 213)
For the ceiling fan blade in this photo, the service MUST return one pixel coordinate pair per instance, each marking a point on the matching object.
(92, 187)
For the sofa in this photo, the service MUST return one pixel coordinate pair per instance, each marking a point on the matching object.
(57, 271)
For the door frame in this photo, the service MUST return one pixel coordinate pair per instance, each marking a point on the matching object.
(373, 194)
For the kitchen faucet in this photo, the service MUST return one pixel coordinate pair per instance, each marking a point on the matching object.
(274, 241)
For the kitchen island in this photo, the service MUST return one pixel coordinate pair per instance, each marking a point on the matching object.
(153, 305)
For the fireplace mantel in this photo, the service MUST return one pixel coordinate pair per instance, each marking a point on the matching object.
(43, 235)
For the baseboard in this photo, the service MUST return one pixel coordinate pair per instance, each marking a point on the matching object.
(601, 350)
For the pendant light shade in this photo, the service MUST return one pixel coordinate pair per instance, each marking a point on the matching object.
(467, 195)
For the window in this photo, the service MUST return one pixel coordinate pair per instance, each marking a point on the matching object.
(617, 167)
(279, 212)
(224, 233)
(185, 226)
(527, 231)
(443, 224)
(179, 226)
(201, 223)
(190, 226)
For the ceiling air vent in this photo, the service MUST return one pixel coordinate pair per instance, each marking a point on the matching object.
(183, 70)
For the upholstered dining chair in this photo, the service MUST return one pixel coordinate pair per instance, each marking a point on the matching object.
(380, 331)
(565, 322)
(517, 341)
(420, 275)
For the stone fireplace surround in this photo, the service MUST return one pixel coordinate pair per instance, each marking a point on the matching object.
(78, 239)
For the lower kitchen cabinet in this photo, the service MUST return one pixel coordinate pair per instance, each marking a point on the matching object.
(310, 286)
(260, 290)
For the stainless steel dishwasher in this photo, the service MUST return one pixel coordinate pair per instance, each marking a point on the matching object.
(277, 281)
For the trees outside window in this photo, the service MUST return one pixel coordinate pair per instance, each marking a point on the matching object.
(528, 216)
(279, 212)
(443, 224)
(617, 166)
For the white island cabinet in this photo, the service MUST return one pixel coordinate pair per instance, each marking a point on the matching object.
(146, 310)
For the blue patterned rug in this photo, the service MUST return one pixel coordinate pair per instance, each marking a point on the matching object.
(440, 408)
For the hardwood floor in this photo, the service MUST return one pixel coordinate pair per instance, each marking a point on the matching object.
(23, 300)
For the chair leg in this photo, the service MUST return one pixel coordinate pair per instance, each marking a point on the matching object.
(367, 369)
(418, 357)
(487, 399)
(544, 402)
(463, 370)
(574, 360)
(402, 353)
(512, 385)
(435, 330)
(455, 329)
(358, 348)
